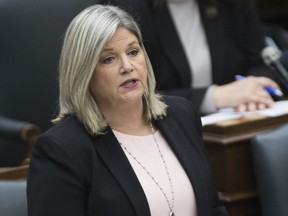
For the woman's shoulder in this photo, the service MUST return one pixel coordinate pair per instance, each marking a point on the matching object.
(179, 104)
(66, 143)
(67, 127)
(182, 111)
(69, 134)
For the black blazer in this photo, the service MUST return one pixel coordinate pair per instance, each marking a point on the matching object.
(234, 37)
(72, 173)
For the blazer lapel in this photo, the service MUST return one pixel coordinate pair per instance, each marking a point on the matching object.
(189, 159)
(212, 19)
(170, 42)
(112, 154)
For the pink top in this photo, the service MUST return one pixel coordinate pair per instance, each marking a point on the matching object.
(145, 150)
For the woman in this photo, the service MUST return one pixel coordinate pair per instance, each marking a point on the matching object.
(118, 148)
(197, 47)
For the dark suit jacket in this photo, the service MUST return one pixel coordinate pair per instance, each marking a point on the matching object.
(72, 173)
(234, 38)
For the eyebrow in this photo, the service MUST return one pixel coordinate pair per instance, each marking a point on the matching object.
(111, 49)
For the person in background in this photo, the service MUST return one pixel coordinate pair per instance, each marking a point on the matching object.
(197, 47)
(117, 146)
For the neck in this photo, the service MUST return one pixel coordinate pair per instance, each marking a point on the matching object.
(127, 119)
(140, 128)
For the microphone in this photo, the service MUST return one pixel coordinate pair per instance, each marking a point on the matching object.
(271, 56)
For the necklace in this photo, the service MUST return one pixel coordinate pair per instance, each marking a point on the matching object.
(170, 204)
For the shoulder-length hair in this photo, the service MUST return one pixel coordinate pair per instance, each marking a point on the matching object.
(84, 40)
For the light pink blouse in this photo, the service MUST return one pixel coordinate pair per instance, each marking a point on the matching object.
(145, 150)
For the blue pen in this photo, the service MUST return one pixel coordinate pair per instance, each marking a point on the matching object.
(270, 90)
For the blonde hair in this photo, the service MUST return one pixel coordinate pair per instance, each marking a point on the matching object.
(85, 38)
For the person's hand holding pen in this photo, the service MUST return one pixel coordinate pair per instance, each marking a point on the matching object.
(246, 93)
(272, 91)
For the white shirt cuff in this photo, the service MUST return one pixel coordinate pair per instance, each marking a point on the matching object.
(208, 104)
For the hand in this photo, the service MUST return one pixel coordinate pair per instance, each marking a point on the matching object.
(245, 95)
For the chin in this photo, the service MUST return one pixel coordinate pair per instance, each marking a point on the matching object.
(134, 96)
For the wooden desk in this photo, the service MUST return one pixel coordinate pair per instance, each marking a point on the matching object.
(230, 156)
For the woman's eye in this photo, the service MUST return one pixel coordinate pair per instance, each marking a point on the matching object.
(108, 60)
(133, 52)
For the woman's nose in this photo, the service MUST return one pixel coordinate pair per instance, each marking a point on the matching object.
(126, 66)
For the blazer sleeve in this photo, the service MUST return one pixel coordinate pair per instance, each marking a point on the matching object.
(55, 185)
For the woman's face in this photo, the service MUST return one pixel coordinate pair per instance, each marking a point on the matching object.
(121, 73)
